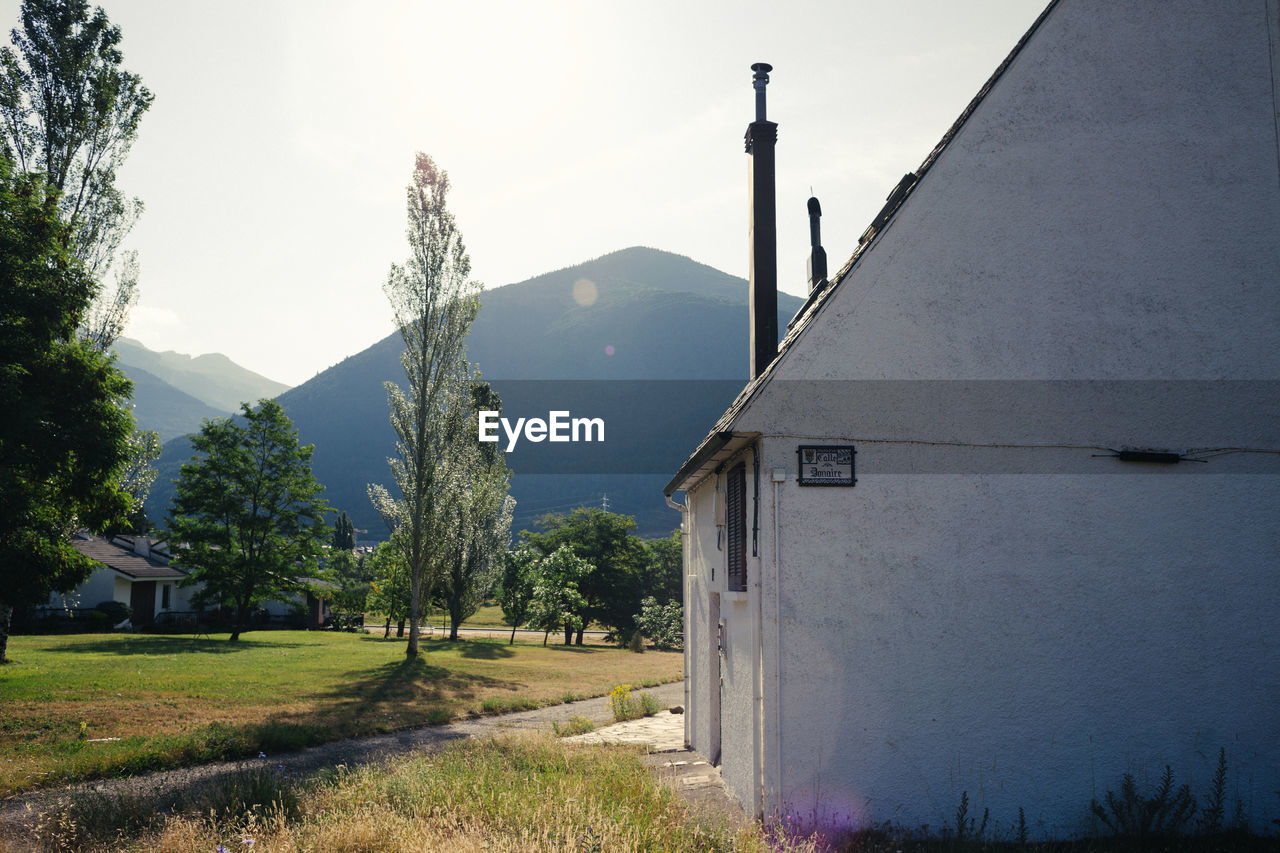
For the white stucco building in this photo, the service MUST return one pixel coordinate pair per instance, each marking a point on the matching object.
(1003, 605)
(133, 570)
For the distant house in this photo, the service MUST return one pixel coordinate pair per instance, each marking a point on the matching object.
(1001, 520)
(135, 571)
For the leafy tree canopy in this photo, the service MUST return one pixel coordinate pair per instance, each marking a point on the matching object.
(613, 588)
(71, 111)
(515, 587)
(248, 519)
(63, 437)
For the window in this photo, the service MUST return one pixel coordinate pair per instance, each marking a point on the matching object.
(164, 596)
(736, 522)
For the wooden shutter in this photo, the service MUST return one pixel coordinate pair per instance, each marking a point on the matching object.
(736, 522)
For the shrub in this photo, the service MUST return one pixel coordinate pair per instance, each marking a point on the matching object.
(629, 705)
(117, 611)
(663, 624)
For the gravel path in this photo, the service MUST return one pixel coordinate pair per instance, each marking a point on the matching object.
(17, 813)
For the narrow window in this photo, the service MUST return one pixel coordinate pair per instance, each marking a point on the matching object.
(736, 522)
(164, 596)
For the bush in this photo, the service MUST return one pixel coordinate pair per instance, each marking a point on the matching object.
(117, 611)
(663, 624)
(628, 705)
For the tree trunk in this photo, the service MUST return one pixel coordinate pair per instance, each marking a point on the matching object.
(386, 632)
(545, 636)
(512, 641)
(415, 613)
(241, 610)
(568, 633)
(578, 642)
(400, 630)
(455, 613)
(6, 617)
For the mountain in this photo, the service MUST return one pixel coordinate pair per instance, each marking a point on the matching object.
(213, 379)
(159, 406)
(654, 344)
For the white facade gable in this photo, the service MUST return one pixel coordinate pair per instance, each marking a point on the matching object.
(1001, 608)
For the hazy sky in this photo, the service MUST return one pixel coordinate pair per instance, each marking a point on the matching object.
(274, 160)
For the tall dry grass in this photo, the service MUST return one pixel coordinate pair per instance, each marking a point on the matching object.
(520, 793)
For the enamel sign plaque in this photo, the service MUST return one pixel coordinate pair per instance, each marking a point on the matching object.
(826, 465)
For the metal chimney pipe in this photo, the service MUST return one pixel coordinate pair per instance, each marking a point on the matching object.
(763, 298)
(817, 255)
(760, 79)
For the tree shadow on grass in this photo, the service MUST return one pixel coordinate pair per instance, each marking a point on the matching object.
(164, 645)
(480, 649)
(400, 694)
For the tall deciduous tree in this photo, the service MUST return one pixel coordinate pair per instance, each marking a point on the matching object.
(248, 513)
(63, 439)
(613, 589)
(389, 587)
(515, 587)
(71, 111)
(434, 300)
(557, 600)
(476, 512)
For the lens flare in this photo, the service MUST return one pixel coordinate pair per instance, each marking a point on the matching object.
(584, 292)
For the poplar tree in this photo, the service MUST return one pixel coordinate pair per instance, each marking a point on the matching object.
(69, 110)
(435, 301)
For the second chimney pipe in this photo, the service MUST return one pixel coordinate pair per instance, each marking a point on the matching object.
(763, 305)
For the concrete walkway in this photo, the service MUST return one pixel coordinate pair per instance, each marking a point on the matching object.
(693, 778)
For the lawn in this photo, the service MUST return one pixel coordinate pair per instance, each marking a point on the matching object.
(104, 704)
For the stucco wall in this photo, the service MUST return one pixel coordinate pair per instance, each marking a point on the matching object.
(1111, 211)
(1026, 639)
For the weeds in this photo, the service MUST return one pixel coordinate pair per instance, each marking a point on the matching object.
(627, 704)
(1167, 812)
(527, 792)
(964, 824)
(577, 725)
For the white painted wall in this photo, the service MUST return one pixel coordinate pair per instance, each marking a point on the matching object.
(1110, 212)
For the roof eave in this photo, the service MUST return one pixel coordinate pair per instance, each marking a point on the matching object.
(714, 450)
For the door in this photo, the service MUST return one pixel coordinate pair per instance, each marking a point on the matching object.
(142, 598)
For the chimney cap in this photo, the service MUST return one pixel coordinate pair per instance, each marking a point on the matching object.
(762, 67)
(814, 207)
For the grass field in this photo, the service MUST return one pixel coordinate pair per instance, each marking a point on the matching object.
(91, 705)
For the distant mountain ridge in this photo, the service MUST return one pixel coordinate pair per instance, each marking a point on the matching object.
(213, 379)
(635, 314)
(159, 406)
